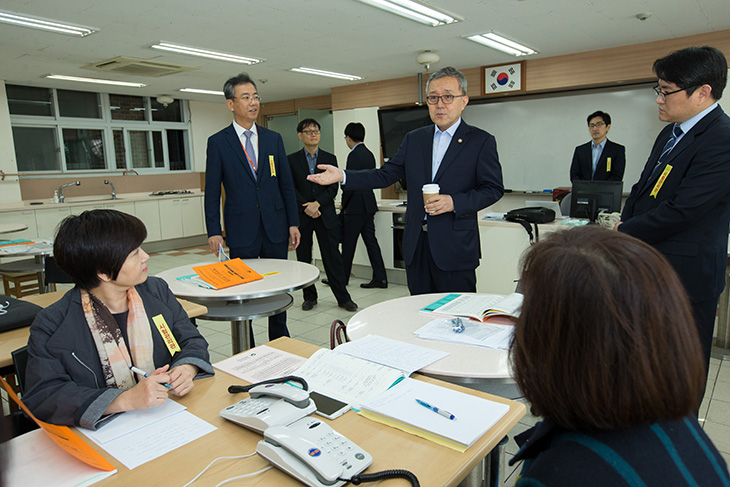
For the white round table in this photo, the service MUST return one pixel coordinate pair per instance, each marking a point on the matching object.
(245, 302)
(39, 248)
(477, 367)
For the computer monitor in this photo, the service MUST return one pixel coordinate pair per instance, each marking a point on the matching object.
(589, 198)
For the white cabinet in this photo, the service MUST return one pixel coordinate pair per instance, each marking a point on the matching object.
(48, 220)
(149, 213)
(123, 206)
(193, 220)
(26, 217)
(181, 217)
(170, 219)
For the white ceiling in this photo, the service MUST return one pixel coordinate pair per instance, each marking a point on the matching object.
(335, 35)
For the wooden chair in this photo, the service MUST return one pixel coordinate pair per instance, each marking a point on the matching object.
(20, 278)
(338, 334)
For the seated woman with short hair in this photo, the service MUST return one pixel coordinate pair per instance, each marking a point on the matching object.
(81, 348)
(606, 350)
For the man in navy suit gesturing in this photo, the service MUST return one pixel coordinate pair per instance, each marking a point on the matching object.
(681, 203)
(260, 210)
(441, 239)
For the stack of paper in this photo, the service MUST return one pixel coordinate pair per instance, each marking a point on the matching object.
(398, 407)
(136, 437)
(470, 333)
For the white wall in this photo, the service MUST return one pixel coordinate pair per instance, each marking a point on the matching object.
(10, 188)
(206, 118)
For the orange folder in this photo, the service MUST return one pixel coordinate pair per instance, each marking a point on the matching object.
(228, 273)
(64, 437)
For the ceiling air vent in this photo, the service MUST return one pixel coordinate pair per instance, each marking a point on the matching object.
(137, 67)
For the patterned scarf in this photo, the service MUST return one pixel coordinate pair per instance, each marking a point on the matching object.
(110, 344)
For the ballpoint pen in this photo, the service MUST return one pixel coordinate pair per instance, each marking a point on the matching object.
(145, 374)
(436, 410)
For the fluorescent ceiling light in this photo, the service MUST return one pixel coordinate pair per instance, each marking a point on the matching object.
(329, 74)
(46, 24)
(204, 92)
(196, 51)
(94, 80)
(503, 44)
(414, 11)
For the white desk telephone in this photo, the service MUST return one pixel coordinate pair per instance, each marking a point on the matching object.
(305, 447)
(312, 452)
(270, 405)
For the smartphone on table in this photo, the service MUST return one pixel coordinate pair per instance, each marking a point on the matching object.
(328, 407)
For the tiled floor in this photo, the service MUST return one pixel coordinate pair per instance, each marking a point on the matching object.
(313, 327)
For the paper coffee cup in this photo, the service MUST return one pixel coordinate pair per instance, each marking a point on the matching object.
(430, 190)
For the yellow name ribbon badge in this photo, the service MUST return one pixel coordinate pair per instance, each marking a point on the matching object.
(660, 182)
(166, 334)
(272, 166)
(608, 165)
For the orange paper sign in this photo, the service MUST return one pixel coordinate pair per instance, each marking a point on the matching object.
(228, 273)
(64, 437)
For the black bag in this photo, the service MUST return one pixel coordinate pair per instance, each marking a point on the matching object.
(534, 215)
(15, 313)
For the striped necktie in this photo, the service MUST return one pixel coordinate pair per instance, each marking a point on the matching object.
(676, 132)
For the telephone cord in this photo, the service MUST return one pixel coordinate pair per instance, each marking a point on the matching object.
(224, 458)
(280, 380)
(384, 475)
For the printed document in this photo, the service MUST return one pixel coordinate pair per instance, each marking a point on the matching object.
(487, 335)
(260, 363)
(136, 437)
(393, 353)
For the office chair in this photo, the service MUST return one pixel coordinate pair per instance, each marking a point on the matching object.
(54, 275)
(338, 334)
(565, 204)
(20, 421)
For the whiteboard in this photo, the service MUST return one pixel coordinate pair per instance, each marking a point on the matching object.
(536, 135)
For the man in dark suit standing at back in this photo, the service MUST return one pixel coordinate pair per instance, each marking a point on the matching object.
(260, 210)
(359, 208)
(600, 159)
(681, 203)
(441, 238)
(317, 215)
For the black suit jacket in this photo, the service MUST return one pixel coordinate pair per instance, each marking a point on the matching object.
(686, 217)
(362, 201)
(469, 172)
(267, 199)
(308, 191)
(582, 165)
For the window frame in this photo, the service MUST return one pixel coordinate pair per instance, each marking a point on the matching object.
(107, 125)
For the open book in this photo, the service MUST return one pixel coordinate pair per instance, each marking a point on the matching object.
(478, 307)
(363, 369)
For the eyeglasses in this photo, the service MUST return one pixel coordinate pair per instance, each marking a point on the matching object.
(447, 99)
(596, 125)
(664, 94)
(310, 132)
(248, 99)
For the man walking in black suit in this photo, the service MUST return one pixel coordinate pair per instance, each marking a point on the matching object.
(681, 203)
(359, 208)
(317, 214)
(600, 159)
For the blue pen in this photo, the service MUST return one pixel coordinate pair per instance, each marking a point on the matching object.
(436, 410)
(145, 374)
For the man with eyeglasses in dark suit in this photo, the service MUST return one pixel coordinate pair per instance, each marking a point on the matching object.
(681, 203)
(441, 238)
(600, 159)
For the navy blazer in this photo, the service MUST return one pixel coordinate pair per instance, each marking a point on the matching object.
(687, 219)
(360, 202)
(469, 172)
(581, 168)
(308, 191)
(267, 199)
